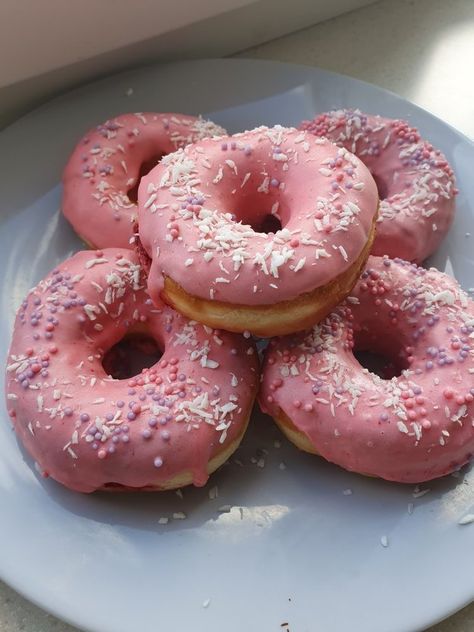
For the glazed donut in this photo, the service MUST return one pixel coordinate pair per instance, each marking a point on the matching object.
(416, 184)
(102, 174)
(204, 210)
(410, 428)
(169, 426)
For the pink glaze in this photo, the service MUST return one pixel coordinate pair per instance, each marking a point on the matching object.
(415, 181)
(86, 429)
(409, 428)
(106, 164)
(200, 207)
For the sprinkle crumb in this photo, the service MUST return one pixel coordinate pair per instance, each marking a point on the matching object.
(205, 603)
(225, 508)
(277, 444)
(282, 466)
(163, 520)
(347, 492)
(419, 493)
(179, 493)
(261, 462)
(411, 506)
(129, 92)
(213, 492)
(179, 515)
(384, 541)
(467, 519)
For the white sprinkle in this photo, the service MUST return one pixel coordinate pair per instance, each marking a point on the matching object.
(325, 172)
(206, 603)
(282, 466)
(150, 200)
(384, 541)
(163, 520)
(410, 508)
(189, 262)
(402, 427)
(244, 181)
(94, 262)
(179, 515)
(343, 252)
(300, 264)
(225, 508)
(179, 493)
(347, 492)
(467, 519)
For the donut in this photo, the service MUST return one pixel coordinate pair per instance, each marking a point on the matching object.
(168, 426)
(415, 182)
(410, 426)
(101, 177)
(264, 231)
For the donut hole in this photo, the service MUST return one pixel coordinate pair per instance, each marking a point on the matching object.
(382, 356)
(382, 186)
(128, 357)
(269, 224)
(145, 168)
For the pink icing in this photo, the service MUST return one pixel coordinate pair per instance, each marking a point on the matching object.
(201, 207)
(105, 166)
(416, 183)
(86, 429)
(410, 428)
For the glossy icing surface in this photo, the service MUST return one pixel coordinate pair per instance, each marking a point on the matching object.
(416, 183)
(105, 166)
(409, 428)
(203, 212)
(86, 429)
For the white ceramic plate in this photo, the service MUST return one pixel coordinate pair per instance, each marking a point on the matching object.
(294, 548)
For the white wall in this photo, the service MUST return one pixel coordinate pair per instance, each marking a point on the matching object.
(47, 46)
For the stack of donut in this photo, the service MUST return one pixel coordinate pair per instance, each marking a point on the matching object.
(202, 240)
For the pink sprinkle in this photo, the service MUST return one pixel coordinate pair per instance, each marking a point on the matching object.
(448, 393)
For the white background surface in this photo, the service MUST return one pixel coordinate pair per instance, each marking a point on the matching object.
(422, 49)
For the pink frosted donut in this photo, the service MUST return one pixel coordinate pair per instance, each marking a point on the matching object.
(169, 426)
(416, 184)
(411, 428)
(102, 174)
(262, 231)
